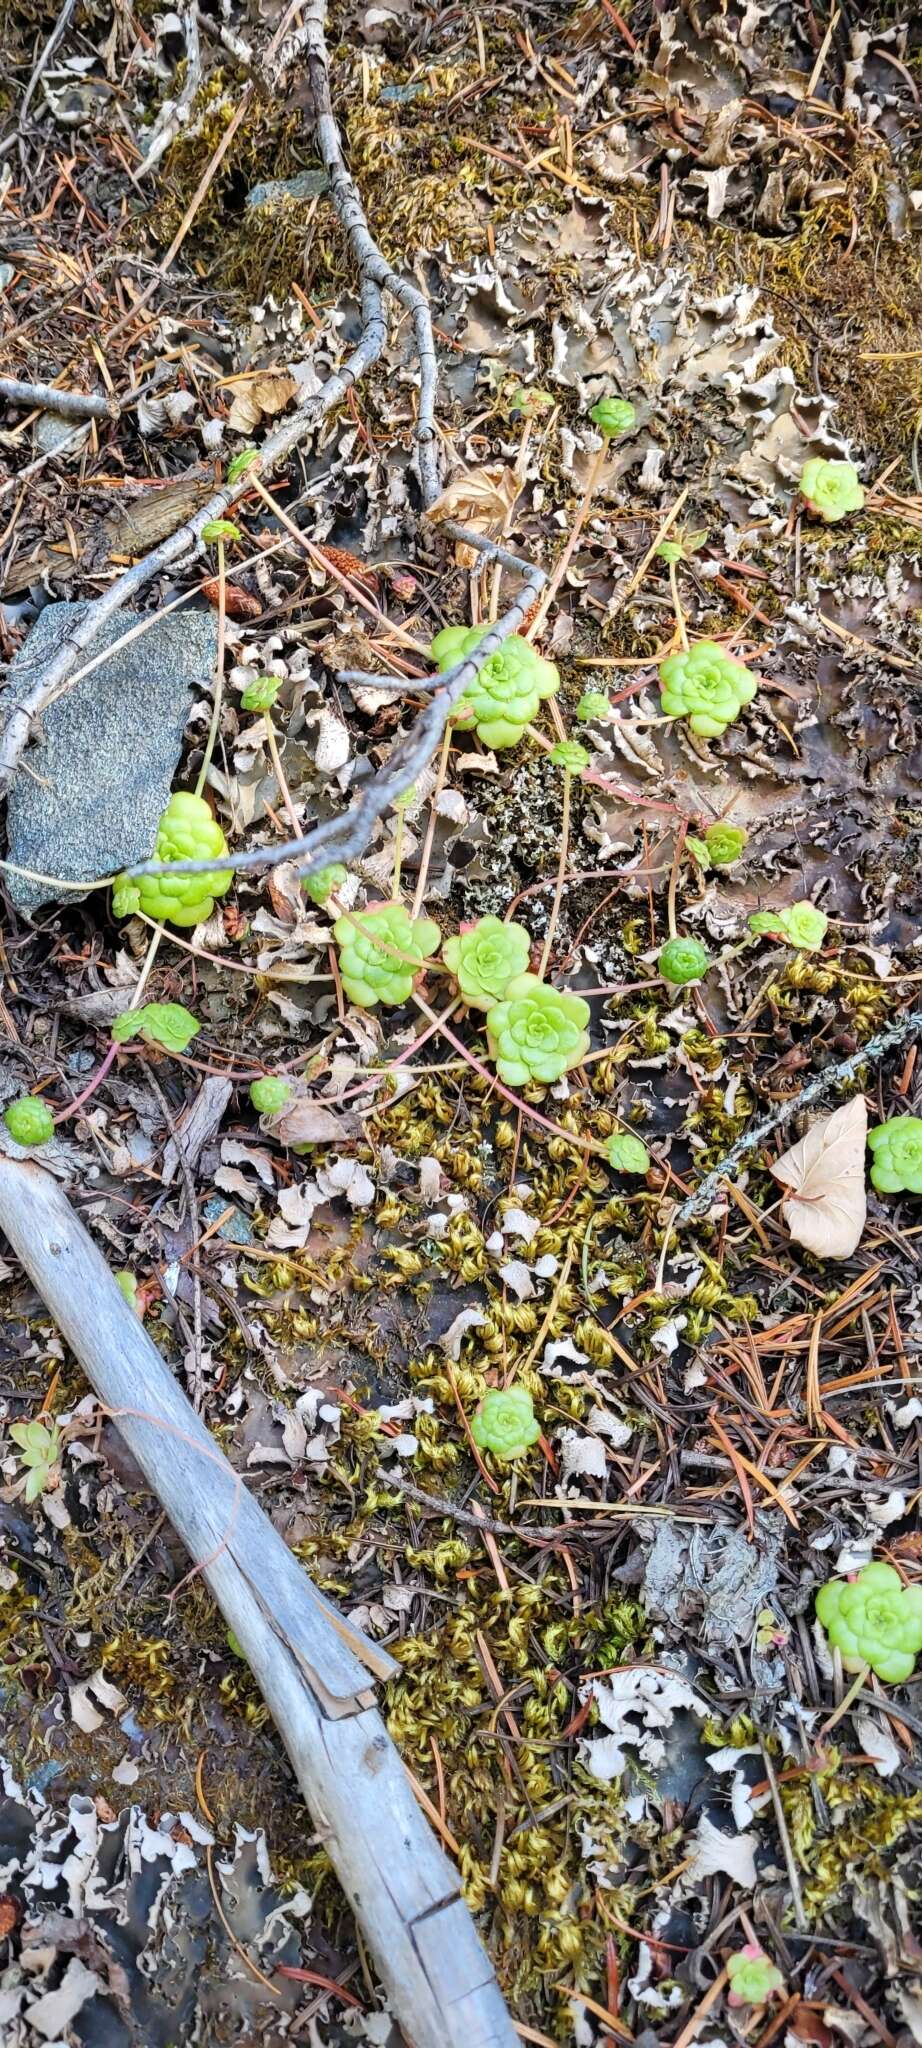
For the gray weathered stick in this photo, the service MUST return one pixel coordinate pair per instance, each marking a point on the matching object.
(72, 405)
(306, 1659)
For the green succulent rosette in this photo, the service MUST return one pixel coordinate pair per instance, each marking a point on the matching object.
(324, 882)
(570, 755)
(593, 704)
(613, 416)
(536, 1033)
(896, 1165)
(725, 843)
(704, 685)
(187, 831)
(627, 1154)
(505, 1422)
(802, 925)
(831, 489)
(381, 951)
(29, 1120)
(874, 1620)
(683, 960)
(270, 1094)
(261, 693)
(485, 958)
(753, 1977)
(507, 692)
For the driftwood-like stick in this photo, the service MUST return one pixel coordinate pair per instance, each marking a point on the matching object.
(308, 1661)
(72, 405)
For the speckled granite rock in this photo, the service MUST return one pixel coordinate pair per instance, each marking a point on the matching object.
(110, 747)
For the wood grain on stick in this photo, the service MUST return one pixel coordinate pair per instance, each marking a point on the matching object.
(312, 1667)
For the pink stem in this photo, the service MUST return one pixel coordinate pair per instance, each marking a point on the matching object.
(90, 1088)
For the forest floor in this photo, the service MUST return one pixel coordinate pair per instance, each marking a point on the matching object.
(629, 1733)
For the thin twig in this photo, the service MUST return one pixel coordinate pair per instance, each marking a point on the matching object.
(826, 1083)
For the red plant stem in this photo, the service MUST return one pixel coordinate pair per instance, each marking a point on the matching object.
(91, 1087)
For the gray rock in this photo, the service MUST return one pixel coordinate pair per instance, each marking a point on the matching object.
(110, 747)
(275, 191)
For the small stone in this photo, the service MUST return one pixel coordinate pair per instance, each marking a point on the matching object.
(275, 191)
(108, 748)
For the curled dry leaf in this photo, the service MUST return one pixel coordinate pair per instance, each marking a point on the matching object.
(260, 397)
(826, 1207)
(481, 499)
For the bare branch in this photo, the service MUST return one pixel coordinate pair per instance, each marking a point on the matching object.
(826, 1083)
(72, 405)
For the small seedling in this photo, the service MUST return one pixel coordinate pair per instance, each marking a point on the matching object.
(39, 1446)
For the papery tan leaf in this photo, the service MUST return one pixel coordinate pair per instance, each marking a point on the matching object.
(260, 397)
(481, 499)
(827, 1204)
(305, 1122)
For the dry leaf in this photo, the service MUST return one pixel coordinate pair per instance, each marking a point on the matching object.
(827, 1205)
(481, 499)
(260, 397)
(304, 1122)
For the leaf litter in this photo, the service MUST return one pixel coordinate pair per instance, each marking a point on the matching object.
(712, 213)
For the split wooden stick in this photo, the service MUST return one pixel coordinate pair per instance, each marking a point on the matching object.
(312, 1667)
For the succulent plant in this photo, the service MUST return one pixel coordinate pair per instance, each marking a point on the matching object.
(570, 755)
(485, 958)
(239, 464)
(725, 843)
(753, 1977)
(505, 1422)
(128, 1287)
(613, 416)
(324, 881)
(874, 1619)
(165, 1024)
(270, 1094)
(681, 545)
(593, 704)
(830, 489)
(220, 529)
(528, 400)
(381, 951)
(896, 1166)
(506, 694)
(683, 960)
(39, 1447)
(705, 685)
(536, 1033)
(261, 693)
(802, 925)
(29, 1120)
(627, 1154)
(187, 831)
